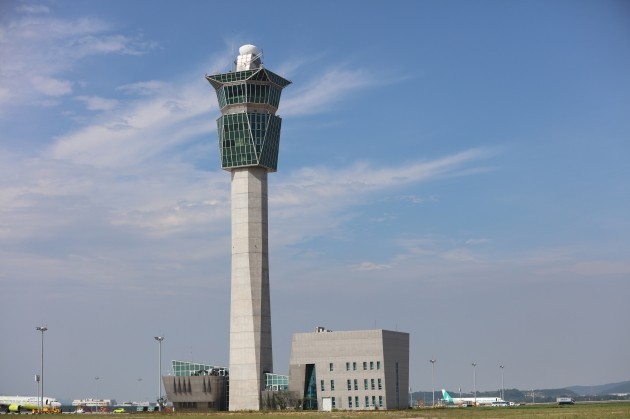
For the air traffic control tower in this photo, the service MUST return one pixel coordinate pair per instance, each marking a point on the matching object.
(249, 138)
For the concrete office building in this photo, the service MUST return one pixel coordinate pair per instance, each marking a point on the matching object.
(249, 139)
(350, 370)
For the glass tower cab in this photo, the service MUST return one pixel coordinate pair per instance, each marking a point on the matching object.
(249, 130)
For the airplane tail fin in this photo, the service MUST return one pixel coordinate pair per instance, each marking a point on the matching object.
(447, 397)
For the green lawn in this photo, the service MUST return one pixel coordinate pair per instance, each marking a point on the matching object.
(580, 410)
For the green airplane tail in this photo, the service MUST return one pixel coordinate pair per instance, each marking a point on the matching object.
(447, 396)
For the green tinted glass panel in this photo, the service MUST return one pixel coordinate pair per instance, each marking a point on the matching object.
(249, 139)
(187, 369)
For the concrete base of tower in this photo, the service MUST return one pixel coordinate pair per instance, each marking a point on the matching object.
(250, 312)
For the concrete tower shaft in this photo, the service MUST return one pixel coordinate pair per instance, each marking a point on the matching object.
(249, 139)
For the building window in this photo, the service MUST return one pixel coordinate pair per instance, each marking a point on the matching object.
(378, 365)
(356, 384)
(365, 384)
(371, 365)
(310, 393)
(349, 385)
(380, 401)
(331, 366)
(372, 383)
(354, 366)
(322, 384)
(332, 385)
(356, 401)
(350, 402)
(347, 366)
(367, 401)
(333, 402)
(364, 366)
(380, 384)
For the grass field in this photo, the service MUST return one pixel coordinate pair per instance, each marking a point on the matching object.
(580, 410)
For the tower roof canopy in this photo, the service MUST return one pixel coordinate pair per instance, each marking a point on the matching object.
(237, 77)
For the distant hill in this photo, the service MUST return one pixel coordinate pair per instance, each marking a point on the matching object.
(623, 387)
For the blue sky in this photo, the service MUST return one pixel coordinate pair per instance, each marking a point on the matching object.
(456, 170)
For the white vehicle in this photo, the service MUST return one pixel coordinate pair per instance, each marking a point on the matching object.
(472, 401)
(17, 404)
(565, 400)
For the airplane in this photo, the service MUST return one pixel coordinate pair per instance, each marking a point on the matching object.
(470, 401)
(17, 404)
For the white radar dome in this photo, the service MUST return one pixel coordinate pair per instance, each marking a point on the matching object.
(248, 49)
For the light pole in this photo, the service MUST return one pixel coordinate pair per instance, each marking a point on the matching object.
(160, 339)
(37, 380)
(432, 361)
(139, 390)
(474, 364)
(41, 400)
(502, 388)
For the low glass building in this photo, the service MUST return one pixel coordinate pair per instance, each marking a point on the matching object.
(196, 387)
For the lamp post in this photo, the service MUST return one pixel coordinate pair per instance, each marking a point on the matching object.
(474, 364)
(502, 388)
(139, 390)
(41, 400)
(37, 377)
(160, 339)
(432, 361)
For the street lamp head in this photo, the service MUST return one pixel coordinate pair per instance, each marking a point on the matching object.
(432, 361)
(159, 338)
(474, 364)
(501, 366)
(41, 328)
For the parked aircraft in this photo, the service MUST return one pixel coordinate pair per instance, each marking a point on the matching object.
(471, 401)
(17, 404)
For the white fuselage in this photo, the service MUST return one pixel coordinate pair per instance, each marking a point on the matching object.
(482, 401)
(20, 403)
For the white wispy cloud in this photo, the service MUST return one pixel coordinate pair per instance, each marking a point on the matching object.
(316, 95)
(369, 266)
(110, 44)
(414, 199)
(475, 242)
(96, 103)
(323, 195)
(458, 255)
(124, 179)
(36, 49)
(51, 86)
(315, 183)
(144, 88)
(588, 268)
(138, 131)
(33, 8)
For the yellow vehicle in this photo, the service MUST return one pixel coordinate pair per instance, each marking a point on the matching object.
(120, 410)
